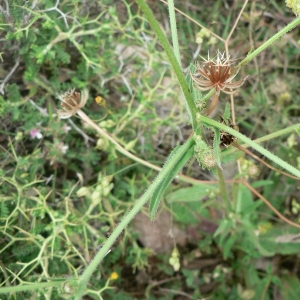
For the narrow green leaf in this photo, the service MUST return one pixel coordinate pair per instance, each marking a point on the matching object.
(158, 193)
(281, 239)
(223, 227)
(254, 239)
(260, 183)
(248, 210)
(192, 194)
(227, 112)
(228, 245)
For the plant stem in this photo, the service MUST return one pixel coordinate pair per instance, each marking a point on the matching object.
(174, 30)
(266, 138)
(208, 95)
(199, 129)
(278, 133)
(84, 279)
(223, 190)
(251, 143)
(271, 40)
(190, 105)
(31, 286)
(122, 150)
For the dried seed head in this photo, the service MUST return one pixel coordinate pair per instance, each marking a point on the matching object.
(217, 73)
(71, 102)
(226, 138)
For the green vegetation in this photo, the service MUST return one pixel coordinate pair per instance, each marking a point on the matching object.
(225, 220)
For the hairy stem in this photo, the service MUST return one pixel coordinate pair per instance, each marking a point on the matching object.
(85, 277)
(266, 138)
(271, 40)
(190, 105)
(251, 143)
(174, 30)
(32, 286)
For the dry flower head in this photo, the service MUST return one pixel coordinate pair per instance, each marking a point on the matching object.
(226, 139)
(217, 73)
(71, 102)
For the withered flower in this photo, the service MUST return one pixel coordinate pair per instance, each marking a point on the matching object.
(72, 102)
(226, 139)
(217, 73)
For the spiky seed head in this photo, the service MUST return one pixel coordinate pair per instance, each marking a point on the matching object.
(71, 102)
(217, 73)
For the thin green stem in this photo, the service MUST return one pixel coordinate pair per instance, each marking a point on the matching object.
(251, 143)
(190, 105)
(199, 129)
(278, 133)
(174, 30)
(84, 279)
(266, 138)
(122, 150)
(208, 95)
(32, 286)
(271, 40)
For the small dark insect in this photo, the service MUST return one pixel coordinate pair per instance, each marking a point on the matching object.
(226, 139)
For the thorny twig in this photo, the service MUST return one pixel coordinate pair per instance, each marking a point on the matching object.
(64, 15)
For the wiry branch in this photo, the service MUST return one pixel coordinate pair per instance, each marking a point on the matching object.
(5, 80)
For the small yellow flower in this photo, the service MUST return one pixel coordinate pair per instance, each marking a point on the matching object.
(114, 276)
(72, 102)
(100, 101)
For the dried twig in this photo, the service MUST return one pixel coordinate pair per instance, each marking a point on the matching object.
(5, 80)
